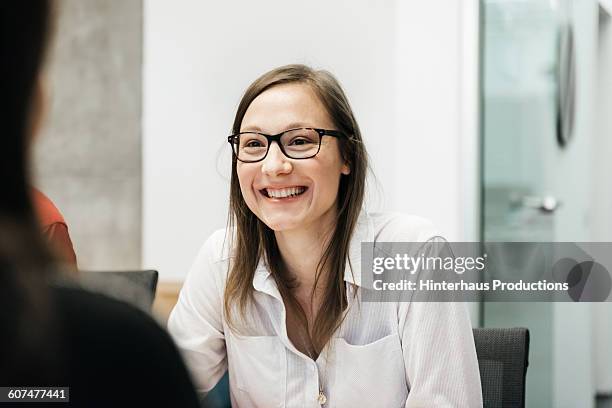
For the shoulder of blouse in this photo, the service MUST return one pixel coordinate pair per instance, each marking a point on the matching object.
(218, 245)
(399, 227)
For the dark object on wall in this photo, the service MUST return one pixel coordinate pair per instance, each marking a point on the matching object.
(566, 93)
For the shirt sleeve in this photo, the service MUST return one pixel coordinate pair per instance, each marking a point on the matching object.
(59, 239)
(196, 322)
(438, 348)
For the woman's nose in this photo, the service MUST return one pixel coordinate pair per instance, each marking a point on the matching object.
(275, 162)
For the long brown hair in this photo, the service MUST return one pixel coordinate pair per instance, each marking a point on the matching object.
(252, 239)
(26, 344)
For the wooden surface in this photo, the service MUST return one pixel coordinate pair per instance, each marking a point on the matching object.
(165, 299)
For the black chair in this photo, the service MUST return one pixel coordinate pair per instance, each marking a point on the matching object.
(502, 360)
(135, 287)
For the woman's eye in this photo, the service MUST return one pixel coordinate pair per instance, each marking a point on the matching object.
(253, 143)
(299, 142)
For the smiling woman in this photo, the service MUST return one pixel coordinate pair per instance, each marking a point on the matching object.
(276, 297)
(266, 185)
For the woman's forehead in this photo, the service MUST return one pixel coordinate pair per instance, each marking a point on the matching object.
(286, 106)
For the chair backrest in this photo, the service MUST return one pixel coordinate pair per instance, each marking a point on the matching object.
(135, 287)
(502, 360)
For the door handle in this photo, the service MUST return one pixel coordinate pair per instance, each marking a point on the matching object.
(546, 204)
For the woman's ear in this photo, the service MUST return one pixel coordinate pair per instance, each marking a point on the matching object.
(346, 170)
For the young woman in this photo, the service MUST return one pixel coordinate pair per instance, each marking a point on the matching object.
(276, 298)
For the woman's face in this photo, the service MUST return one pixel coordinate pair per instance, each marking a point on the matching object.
(280, 108)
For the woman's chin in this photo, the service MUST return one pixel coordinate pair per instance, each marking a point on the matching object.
(284, 224)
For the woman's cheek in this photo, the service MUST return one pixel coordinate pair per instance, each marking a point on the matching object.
(249, 198)
(246, 188)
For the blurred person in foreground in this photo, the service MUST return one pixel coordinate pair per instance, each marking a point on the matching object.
(108, 353)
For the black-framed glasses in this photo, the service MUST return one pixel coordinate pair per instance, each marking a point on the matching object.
(300, 143)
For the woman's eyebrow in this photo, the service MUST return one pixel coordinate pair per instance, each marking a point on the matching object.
(296, 125)
(293, 125)
(251, 129)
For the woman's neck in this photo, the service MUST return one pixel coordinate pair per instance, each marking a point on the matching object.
(302, 249)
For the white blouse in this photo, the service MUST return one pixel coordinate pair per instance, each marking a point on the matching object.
(385, 354)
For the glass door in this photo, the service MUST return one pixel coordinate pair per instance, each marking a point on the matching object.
(534, 132)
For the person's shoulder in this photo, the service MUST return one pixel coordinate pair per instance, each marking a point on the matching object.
(212, 260)
(217, 247)
(46, 211)
(79, 306)
(110, 343)
(395, 226)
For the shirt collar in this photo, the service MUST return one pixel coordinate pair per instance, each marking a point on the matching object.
(364, 232)
(262, 280)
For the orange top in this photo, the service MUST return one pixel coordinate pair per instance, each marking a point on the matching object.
(54, 227)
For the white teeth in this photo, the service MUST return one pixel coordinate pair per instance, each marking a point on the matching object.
(285, 192)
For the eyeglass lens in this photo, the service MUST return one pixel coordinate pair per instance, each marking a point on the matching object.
(297, 144)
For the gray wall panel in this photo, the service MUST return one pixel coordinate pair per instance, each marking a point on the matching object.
(88, 156)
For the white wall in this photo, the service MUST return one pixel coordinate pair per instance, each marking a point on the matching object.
(400, 64)
(437, 116)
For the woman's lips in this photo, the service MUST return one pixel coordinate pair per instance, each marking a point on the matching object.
(288, 194)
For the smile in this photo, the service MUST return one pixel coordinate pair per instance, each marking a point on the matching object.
(284, 193)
